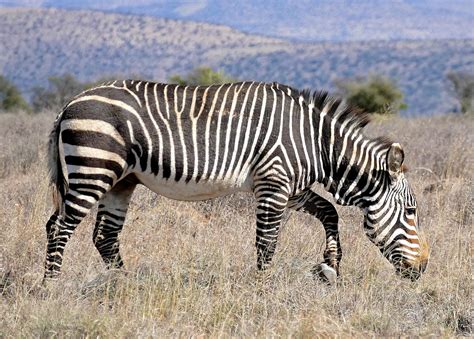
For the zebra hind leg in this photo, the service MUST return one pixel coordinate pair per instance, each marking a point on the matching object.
(322, 209)
(110, 219)
(60, 227)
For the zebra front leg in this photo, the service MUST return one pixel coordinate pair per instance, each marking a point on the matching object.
(110, 219)
(271, 203)
(312, 203)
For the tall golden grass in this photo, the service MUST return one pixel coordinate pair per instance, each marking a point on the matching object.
(190, 267)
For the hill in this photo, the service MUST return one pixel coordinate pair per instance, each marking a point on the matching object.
(335, 20)
(37, 43)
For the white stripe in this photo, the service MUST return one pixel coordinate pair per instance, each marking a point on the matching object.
(91, 170)
(92, 125)
(77, 207)
(320, 138)
(180, 128)
(305, 150)
(207, 132)
(217, 133)
(312, 143)
(194, 120)
(81, 196)
(95, 153)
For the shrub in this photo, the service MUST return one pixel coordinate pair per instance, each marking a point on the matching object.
(202, 76)
(375, 94)
(10, 96)
(463, 85)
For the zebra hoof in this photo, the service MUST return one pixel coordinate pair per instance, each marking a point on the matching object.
(325, 273)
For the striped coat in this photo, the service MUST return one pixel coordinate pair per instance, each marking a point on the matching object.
(200, 142)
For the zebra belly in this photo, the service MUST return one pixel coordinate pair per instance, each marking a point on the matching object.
(193, 191)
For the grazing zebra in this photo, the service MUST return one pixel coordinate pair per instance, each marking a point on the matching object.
(200, 142)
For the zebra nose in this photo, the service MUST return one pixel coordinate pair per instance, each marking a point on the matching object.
(412, 270)
(422, 265)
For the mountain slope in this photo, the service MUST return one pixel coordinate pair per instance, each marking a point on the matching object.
(37, 43)
(322, 20)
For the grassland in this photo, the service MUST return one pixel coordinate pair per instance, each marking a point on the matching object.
(191, 266)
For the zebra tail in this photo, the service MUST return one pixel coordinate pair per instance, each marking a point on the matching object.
(56, 176)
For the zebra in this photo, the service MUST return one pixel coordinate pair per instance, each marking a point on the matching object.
(200, 142)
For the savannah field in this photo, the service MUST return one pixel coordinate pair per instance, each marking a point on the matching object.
(190, 267)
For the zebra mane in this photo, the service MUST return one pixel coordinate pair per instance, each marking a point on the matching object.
(352, 115)
(336, 108)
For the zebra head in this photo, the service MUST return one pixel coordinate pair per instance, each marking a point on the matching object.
(391, 220)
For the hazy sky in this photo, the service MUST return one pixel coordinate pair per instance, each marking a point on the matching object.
(191, 5)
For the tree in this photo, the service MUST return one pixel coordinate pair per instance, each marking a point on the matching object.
(374, 94)
(463, 85)
(59, 91)
(10, 97)
(202, 76)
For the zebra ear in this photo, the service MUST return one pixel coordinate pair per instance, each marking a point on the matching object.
(395, 157)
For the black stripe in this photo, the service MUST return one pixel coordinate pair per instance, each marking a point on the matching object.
(93, 139)
(95, 163)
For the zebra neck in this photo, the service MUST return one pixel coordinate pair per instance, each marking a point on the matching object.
(354, 166)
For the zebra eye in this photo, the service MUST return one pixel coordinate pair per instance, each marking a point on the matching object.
(410, 210)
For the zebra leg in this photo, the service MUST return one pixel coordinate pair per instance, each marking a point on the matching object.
(271, 203)
(60, 227)
(312, 203)
(110, 219)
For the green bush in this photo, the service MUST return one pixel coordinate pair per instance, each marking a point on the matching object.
(463, 84)
(202, 76)
(375, 94)
(10, 97)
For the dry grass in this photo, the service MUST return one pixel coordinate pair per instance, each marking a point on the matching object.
(191, 266)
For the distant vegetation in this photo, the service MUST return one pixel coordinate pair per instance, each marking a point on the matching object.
(463, 84)
(374, 94)
(59, 91)
(202, 76)
(37, 44)
(10, 97)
